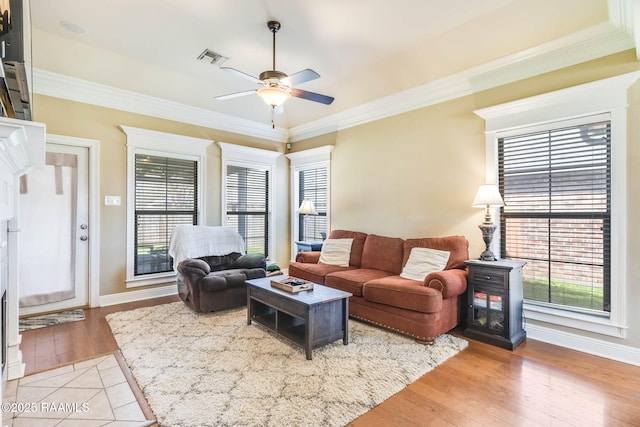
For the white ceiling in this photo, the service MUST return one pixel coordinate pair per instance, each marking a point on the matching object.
(364, 50)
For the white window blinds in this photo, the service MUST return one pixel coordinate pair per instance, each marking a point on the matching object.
(166, 194)
(247, 202)
(313, 185)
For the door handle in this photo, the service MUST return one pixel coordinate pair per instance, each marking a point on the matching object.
(83, 226)
(83, 238)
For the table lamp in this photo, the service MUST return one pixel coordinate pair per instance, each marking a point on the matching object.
(307, 208)
(487, 197)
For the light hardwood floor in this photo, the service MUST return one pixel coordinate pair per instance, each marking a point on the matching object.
(537, 384)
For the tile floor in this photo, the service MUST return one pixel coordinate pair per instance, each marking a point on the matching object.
(90, 393)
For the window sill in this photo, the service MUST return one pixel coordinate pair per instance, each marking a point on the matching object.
(150, 280)
(585, 322)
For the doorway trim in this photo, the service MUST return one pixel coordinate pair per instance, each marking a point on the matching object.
(93, 147)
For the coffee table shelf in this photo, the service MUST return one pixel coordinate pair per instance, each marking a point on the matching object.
(288, 326)
(309, 319)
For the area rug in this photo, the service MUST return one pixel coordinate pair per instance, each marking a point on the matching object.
(51, 319)
(215, 370)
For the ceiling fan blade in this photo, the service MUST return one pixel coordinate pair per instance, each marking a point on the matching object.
(241, 74)
(301, 77)
(235, 94)
(312, 96)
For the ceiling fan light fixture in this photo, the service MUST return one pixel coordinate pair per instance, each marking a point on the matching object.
(273, 95)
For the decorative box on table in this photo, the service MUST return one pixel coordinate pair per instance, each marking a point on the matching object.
(292, 284)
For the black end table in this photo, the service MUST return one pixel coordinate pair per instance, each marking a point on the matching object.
(494, 290)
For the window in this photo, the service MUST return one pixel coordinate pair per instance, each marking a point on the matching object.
(312, 185)
(165, 187)
(247, 204)
(557, 215)
(591, 204)
(247, 194)
(166, 195)
(310, 179)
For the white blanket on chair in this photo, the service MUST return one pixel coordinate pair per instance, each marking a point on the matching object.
(194, 241)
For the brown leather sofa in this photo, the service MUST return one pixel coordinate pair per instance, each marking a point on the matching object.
(213, 283)
(422, 310)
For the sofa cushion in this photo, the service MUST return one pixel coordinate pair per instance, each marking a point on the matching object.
(404, 293)
(221, 262)
(313, 272)
(424, 261)
(336, 252)
(234, 278)
(352, 280)
(383, 253)
(212, 283)
(457, 245)
(356, 246)
(308, 257)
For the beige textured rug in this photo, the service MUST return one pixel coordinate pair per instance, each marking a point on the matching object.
(215, 370)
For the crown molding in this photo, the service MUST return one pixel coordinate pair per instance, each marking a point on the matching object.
(74, 89)
(626, 15)
(622, 13)
(591, 43)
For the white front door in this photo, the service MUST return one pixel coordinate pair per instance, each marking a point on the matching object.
(54, 230)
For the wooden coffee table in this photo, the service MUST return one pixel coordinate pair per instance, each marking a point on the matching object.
(309, 319)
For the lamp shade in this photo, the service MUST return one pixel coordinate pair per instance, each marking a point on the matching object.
(307, 208)
(487, 195)
(273, 95)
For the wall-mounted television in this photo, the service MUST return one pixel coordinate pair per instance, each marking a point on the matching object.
(14, 48)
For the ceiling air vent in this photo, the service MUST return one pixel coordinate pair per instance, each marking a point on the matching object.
(211, 56)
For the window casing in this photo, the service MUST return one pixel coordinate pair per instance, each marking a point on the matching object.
(165, 187)
(556, 185)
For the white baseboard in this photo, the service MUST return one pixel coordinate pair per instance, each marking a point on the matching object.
(606, 349)
(139, 295)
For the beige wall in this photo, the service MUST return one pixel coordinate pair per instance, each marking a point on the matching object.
(87, 121)
(416, 174)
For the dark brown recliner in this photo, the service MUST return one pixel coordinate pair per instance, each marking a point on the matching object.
(213, 283)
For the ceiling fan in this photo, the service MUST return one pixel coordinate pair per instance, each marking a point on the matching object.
(275, 86)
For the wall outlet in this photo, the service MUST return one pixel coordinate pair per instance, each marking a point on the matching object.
(112, 200)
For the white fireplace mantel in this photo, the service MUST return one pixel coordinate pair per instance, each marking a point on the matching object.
(22, 147)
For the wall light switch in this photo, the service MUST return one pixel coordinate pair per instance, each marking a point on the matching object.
(112, 200)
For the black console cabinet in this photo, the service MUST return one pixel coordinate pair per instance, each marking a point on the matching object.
(495, 302)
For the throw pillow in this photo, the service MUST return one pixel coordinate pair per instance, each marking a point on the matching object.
(336, 252)
(423, 261)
